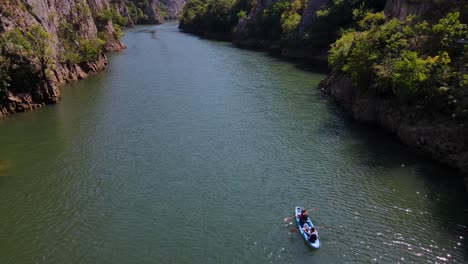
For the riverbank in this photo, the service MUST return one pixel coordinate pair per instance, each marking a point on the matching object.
(438, 137)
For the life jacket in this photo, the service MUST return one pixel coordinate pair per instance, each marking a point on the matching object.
(303, 217)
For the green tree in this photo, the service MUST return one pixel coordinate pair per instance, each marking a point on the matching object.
(40, 51)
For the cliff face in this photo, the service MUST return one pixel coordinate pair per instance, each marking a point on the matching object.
(173, 7)
(295, 44)
(247, 32)
(309, 16)
(50, 15)
(74, 28)
(153, 11)
(402, 8)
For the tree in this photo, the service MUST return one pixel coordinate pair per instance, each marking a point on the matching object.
(40, 51)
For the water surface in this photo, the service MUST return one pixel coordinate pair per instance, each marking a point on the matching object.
(188, 150)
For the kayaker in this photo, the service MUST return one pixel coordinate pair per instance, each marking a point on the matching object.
(313, 235)
(303, 217)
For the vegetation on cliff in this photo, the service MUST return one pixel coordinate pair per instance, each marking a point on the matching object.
(22, 54)
(45, 43)
(423, 63)
(278, 21)
(33, 54)
(222, 16)
(421, 60)
(27, 52)
(213, 16)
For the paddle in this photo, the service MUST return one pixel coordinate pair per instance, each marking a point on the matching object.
(289, 218)
(292, 230)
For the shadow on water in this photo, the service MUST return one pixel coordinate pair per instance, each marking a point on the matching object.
(377, 148)
(314, 65)
(304, 64)
(390, 151)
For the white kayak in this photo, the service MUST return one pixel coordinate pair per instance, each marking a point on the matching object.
(316, 243)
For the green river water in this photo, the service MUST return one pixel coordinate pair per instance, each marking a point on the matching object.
(188, 150)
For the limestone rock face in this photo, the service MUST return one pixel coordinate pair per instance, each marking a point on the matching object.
(156, 11)
(83, 17)
(402, 8)
(50, 14)
(151, 11)
(173, 7)
(308, 17)
(246, 33)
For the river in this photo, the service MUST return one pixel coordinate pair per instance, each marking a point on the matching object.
(188, 150)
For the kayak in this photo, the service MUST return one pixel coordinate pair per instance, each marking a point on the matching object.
(314, 245)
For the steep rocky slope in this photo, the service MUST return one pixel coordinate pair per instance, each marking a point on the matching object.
(173, 7)
(74, 35)
(51, 16)
(148, 11)
(402, 8)
(248, 33)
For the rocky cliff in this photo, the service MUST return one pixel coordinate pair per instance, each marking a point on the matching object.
(402, 8)
(148, 11)
(51, 16)
(292, 28)
(173, 7)
(74, 34)
(249, 34)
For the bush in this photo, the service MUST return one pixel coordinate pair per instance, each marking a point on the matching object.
(241, 14)
(23, 55)
(76, 48)
(136, 14)
(112, 15)
(90, 49)
(405, 58)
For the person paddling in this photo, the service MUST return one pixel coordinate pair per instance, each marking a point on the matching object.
(303, 217)
(312, 235)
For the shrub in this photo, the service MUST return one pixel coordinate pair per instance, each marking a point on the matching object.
(424, 61)
(241, 14)
(78, 49)
(90, 49)
(112, 15)
(23, 55)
